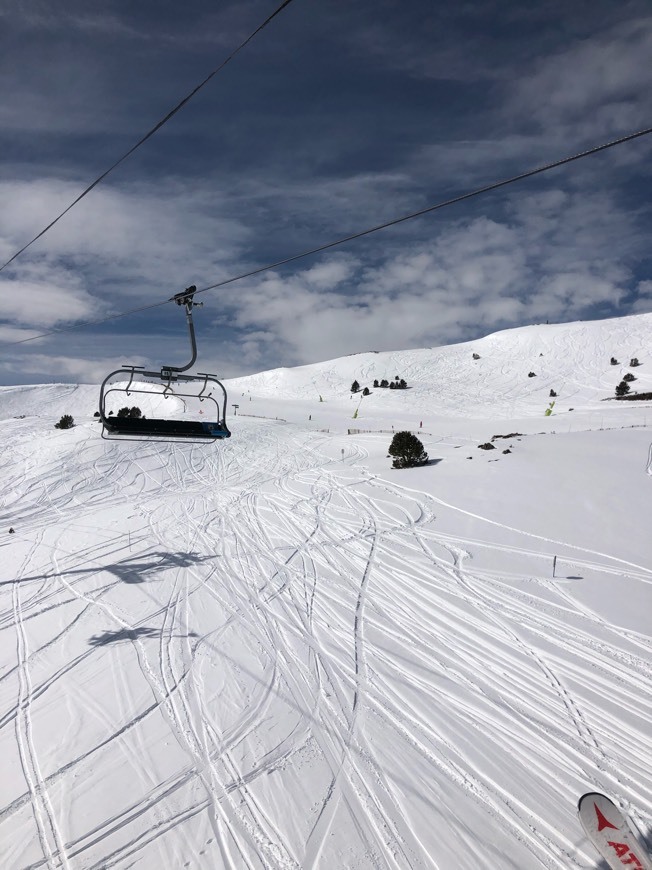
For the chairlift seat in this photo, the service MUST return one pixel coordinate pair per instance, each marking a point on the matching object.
(155, 428)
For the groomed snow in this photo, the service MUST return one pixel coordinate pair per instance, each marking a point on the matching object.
(278, 652)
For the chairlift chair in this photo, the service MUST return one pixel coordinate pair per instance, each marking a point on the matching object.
(175, 384)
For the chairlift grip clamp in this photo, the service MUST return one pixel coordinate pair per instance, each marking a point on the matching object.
(185, 297)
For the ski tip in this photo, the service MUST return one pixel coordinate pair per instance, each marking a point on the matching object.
(590, 795)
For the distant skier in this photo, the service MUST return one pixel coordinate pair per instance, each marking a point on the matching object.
(12, 532)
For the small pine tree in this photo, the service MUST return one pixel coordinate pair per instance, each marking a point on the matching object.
(96, 414)
(402, 384)
(552, 394)
(531, 375)
(622, 389)
(66, 422)
(392, 385)
(376, 383)
(384, 383)
(614, 361)
(135, 412)
(629, 377)
(365, 392)
(407, 451)
(355, 386)
(476, 356)
(124, 412)
(634, 362)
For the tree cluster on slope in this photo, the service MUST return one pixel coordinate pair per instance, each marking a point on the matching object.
(397, 384)
(623, 387)
(66, 422)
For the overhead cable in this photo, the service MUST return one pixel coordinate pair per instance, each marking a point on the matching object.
(150, 133)
(357, 235)
(431, 208)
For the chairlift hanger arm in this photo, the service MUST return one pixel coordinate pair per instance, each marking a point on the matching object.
(185, 298)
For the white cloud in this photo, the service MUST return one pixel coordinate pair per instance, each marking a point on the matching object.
(14, 334)
(76, 369)
(557, 256)
(643, 302)
(598, 84)
(125, 246)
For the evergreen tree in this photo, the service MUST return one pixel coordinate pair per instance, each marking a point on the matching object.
(66, 422)
(407, 451)
(365, 392)
(376, 383)
(402, 384)
(622, 389)
(355, 386)
(384, 383)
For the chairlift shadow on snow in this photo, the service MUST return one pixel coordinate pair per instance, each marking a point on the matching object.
(135, 571)
(132, 570)
(130, 634)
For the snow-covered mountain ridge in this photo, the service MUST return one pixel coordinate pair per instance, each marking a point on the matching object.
(572, 358)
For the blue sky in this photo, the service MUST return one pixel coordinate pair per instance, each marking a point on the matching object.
(338, 116)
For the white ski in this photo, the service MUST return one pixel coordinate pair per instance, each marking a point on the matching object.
(609, 831)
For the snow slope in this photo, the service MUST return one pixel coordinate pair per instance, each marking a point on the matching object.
(278, 652)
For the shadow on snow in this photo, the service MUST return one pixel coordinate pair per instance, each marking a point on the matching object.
(127, 570)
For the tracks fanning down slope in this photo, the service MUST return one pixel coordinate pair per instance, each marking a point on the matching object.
(260, 657)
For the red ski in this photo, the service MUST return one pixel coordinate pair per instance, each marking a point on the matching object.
(609, 831)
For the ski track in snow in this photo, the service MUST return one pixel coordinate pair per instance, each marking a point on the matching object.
(305, 672)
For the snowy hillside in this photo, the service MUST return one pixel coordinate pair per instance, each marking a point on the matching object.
(278, 652)
(571, 358)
